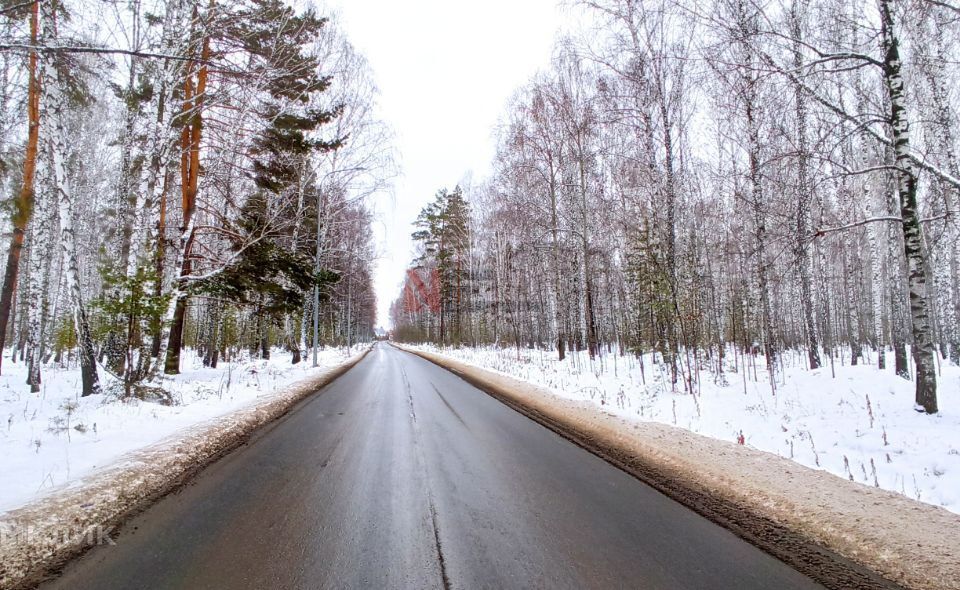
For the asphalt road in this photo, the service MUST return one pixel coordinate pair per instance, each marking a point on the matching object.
(401, 475)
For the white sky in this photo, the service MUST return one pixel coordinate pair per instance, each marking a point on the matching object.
(445, 69)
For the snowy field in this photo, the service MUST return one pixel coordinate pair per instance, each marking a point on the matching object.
(858, 424)
(56, 437)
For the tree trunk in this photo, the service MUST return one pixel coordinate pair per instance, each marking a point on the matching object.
(946, 202)
(161, 243)
(193, 101)
(263, 335)
(38, 274)
(589, 323)
(760, 228)
(923, 343)
(163, 140)
(58, 150)
(557, 316)
(803, 199)
(171, 363)
(23, 205)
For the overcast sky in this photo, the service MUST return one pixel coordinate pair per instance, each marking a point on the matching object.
(445, 69)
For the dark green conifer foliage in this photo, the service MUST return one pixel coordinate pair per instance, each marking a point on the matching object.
(268, 275)
(276, 36)
(444, 234)
(271, 271)
(134, 301)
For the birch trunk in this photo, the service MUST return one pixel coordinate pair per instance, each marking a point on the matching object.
(57, 145)
(760, 227)
(874, 236)
(945, 201)
(39, 246)
(803, 197)
(556, 316)
(922, 330)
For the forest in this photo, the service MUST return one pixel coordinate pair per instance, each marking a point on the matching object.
(183, 174)
(711, 181)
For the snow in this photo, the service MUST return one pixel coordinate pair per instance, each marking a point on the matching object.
(855, 422)
(55, 437)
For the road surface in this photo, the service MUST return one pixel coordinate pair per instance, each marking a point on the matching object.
(401, 475)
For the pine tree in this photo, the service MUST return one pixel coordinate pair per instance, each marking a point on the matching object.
(444, 236)
(23, 204)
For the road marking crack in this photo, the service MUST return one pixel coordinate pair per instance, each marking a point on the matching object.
(438, 544)
(409, 391)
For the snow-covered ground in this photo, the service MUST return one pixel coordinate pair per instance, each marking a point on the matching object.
(56, 437)
(855, 422)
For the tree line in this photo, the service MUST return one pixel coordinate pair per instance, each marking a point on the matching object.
(716, 180)
(183, 173)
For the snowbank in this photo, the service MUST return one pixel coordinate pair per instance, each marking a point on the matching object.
(55, 437)
(137, 452)
(790, 510)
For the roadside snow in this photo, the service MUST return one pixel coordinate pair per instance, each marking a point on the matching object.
(39, 536)
(56, 437)
(859, 424)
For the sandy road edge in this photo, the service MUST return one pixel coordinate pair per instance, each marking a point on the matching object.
(37, 539)
(843, 535)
